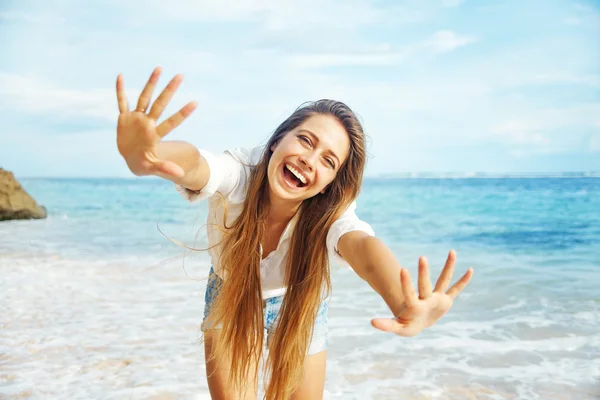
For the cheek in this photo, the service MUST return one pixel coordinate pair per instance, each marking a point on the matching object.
(325, 178)
(272, 167)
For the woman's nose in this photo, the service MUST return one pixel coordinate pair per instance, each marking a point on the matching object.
(306, 161)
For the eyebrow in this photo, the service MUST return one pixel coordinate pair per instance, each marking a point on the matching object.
(316, 138)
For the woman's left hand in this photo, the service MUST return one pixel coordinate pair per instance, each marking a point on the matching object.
(424, 309)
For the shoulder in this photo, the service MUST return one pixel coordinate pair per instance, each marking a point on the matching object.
(348, 222)
(247, 156)
(238, 165)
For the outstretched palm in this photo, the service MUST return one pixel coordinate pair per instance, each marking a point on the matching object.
(137, 133)
(424, 309)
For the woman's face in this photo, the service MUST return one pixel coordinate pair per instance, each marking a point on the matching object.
(307, 159)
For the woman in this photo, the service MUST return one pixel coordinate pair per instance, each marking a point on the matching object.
(276, 216)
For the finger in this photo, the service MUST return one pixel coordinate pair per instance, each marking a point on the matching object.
(176, 119)
(424, 280)
(163, 99)
(446, 276)
(410, 296)
(394, 326)
(460, 284)
(121, 96)
(146, 95)
(167, 169)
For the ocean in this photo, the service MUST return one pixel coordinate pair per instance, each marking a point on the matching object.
(101, 301)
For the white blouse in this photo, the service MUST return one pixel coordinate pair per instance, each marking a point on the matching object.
(229, 174)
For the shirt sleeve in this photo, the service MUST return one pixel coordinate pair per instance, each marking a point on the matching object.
(229, 175)
(224, 176)
(347, 222)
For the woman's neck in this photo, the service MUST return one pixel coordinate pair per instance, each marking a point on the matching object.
(281, 211)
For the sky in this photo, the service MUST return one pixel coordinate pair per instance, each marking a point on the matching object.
(439, 85)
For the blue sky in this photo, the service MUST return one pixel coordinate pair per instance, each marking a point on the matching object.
(441, 86)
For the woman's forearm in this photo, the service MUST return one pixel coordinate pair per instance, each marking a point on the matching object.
(189, 159)
(382, 271)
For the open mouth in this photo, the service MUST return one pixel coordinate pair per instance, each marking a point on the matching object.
(293, 177)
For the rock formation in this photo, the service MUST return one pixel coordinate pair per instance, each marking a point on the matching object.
(15, 203)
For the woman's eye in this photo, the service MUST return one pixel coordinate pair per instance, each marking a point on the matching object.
(331, 163)
(304, 139)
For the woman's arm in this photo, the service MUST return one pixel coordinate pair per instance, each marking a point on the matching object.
(374, 262)
(139, 137)
(196, 172)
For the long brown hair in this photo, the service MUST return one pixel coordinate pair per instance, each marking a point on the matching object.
(239, 307)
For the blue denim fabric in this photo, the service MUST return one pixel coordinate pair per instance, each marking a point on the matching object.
(271, 307)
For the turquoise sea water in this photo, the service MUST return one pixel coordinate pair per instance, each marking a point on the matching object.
(526, 327)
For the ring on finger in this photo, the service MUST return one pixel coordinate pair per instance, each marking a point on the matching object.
(142, 110)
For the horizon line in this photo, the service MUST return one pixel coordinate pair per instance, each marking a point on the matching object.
(395, 175)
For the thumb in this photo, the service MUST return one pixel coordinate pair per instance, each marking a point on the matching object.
(384, 324)
(394, 326)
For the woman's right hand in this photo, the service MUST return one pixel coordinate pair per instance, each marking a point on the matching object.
(138, 135)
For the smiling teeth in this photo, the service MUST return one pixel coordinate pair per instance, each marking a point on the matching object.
(296, 173)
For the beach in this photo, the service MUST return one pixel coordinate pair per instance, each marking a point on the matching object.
(97, 304)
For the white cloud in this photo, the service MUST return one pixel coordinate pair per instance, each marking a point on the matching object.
(521, 132)
(446, 41)
(39, 98)
(24, 93)
(324, 15)
(197, 10)
(548, 126)
(275, 15)
(248, 76)
(441, 42)
(35, 95)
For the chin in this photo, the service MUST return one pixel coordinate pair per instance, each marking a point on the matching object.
(283, 194)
